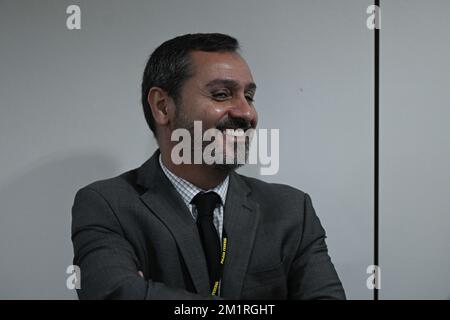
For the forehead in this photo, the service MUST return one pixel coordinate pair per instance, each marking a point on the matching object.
(220, 65)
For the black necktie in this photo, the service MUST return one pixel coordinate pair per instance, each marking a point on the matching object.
(205, 204)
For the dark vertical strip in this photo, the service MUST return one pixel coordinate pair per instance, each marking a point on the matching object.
(376, 146)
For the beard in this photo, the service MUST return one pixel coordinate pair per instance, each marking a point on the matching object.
(234, 153)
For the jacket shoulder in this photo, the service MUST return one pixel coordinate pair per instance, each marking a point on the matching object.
(274, 193)
(125, 183)
(260, 186)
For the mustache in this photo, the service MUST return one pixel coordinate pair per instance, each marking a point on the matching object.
(234, 123)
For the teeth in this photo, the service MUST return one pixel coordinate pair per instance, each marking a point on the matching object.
(234, 133)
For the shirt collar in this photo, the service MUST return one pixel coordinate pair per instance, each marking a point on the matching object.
(188, 191)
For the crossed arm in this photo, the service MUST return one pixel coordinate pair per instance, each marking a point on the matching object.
(107, 261)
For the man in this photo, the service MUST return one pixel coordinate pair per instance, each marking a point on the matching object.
(171, 230)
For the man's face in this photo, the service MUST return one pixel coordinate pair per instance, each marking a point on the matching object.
(220, 95)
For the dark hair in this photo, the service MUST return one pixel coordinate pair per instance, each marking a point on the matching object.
(169, 65)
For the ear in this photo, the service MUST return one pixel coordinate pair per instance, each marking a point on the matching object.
(160, 104)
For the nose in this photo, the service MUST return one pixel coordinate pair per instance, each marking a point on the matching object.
(242, 108)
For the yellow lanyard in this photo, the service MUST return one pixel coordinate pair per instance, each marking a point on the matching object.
(222, 261)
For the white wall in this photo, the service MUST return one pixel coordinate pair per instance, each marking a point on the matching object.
(415, 145)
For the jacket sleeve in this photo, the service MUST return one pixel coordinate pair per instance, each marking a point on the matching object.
(107, 262)
(312, 275)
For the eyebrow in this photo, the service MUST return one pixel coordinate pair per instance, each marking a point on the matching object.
(230, 83)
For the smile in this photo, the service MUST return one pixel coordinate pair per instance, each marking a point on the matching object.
(235, 133)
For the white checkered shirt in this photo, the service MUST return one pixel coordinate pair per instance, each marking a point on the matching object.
(188, 191)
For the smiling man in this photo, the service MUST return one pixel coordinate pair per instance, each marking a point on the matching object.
(198, 230)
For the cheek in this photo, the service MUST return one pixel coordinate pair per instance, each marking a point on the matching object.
(206, 110)
(212, 113)
(219, 109)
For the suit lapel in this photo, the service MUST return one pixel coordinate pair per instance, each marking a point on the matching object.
(241, 218)
(163, 200)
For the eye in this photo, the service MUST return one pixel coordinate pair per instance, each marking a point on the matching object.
(250, 98)
(221, 95)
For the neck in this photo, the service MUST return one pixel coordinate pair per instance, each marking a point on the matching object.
(200, 175)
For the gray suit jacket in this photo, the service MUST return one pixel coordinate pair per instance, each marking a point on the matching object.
(137, 221)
